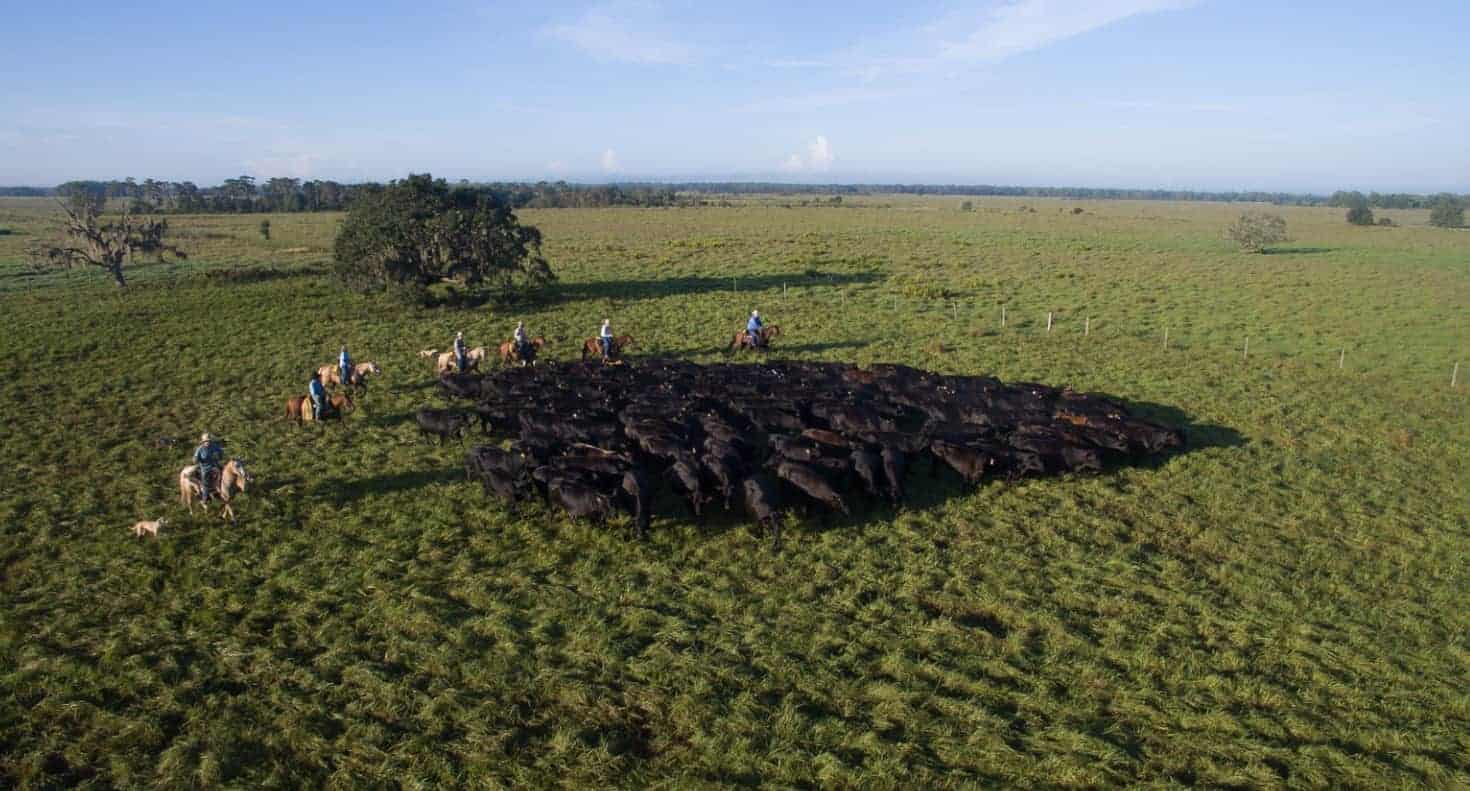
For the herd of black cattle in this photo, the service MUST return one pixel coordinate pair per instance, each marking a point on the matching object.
(589, 437)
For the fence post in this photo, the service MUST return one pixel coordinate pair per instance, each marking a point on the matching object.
(1247, 351)
(1048, 321)
(1166, 337)
(1002, 315)
(1455, 376)
(783, 291)
(1340, 357)
(1087, 327)
(955, 309)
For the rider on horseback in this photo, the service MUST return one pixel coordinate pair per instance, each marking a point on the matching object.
(207, 456)
(605, 337)
(753, 330)
(522, 341)
(318, 396)
(344, 366)
(460, 353)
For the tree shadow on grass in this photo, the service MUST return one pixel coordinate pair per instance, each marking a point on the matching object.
(1298, 250)
(697, 284)
(346, 490)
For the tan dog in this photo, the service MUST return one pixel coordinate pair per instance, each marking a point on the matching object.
(150, 528)
(428, 354)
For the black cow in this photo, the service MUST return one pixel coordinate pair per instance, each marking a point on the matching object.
(894, 463)
(868, 466)
(762, 501)
(812, 483)
(441, 423)
(639, 489)
(686, 479)
(579, 500)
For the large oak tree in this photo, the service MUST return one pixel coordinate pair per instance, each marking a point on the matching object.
(419, 232)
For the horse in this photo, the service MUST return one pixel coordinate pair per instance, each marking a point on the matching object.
(332, 375)
(592, 347)
(472, 359)
(232, 479)
(508, 353)
(298, 408)
(742, 338)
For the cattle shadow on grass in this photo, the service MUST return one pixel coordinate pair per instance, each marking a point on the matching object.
(699, 284)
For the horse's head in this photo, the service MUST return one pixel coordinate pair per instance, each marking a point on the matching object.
(374, 369)
(240, 471)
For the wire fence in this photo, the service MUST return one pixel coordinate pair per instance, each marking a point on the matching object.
(1004, 318)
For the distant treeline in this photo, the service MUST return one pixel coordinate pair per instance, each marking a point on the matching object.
(244, 194)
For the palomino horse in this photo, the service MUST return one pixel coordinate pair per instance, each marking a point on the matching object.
(332, 375)
(298, 408)
(742, 339)
(472, 359)
(232, 479)
(508, 353)
(593, 348)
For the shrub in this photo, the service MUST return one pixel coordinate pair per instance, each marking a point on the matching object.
(968, 205)
(1255, 230)
(1385, 221)
(1360, 215)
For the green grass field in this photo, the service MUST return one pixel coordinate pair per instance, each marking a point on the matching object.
(1285, 605)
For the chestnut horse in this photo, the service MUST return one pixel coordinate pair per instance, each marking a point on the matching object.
(593, 348)
(742, 338)
(298, 408)
(232, 479)
(508, 353)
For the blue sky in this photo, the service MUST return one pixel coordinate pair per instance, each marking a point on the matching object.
(1134, 93)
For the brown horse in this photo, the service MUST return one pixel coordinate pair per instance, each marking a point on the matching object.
(742, 339)
(508, 353)
(593, 348)
(232, 479)
(298, 408)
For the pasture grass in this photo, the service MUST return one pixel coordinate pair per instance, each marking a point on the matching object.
(1282, 606)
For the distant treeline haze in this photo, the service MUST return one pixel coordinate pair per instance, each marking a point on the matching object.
(245, 195)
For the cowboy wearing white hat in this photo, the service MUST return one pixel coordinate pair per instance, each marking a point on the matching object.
(605, 337)
(753, 330)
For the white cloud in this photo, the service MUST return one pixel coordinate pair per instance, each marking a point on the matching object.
(818, 157)
(1018, 26)
(610, 162)
(819, 153)
(623, 31)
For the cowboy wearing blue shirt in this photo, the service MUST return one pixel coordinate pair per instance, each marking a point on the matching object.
(318, 396)
(207, 456)
(753, 329)
(459, 350)
(344, 365)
